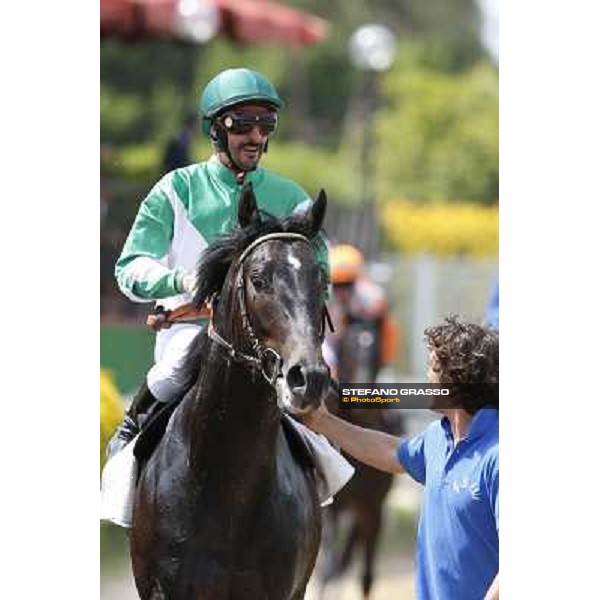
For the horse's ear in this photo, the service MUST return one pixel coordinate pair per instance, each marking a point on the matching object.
(248, 209)
(317, 213)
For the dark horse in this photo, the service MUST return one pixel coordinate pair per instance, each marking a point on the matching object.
(223, 509)
(362, 499)
(359, 359)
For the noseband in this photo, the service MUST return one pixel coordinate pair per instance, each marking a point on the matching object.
(265, 360)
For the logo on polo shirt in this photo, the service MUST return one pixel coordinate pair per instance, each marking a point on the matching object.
(458, 485)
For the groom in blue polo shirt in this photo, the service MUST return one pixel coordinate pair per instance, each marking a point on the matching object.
(455, 458)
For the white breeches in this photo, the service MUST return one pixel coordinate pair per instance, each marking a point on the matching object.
(167, 378)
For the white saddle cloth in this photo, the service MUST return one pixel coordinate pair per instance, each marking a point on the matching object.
(333, 470)
(118, 487)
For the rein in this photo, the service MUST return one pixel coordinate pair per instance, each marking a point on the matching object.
(163, 319)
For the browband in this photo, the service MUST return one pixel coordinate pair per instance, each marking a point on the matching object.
(270, 236)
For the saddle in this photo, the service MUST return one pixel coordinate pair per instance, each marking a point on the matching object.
(153, 428)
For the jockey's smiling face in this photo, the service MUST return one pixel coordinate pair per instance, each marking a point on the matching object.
(248, 128)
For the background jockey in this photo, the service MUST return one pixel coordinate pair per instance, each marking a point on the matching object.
(188, 209)
(356, 298)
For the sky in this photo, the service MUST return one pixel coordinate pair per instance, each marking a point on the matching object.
(489, 32)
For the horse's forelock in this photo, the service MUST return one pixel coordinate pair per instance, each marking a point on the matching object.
(217, 258)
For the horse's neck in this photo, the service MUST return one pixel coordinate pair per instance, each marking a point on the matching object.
(232, 425)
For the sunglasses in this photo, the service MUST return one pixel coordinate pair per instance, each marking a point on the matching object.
(240, 123)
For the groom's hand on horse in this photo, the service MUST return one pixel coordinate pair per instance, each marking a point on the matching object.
(314, 418)
(369, 446)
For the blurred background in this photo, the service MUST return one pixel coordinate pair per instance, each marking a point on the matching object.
(392, 108)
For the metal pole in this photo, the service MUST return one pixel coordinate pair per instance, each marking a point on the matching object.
(368, 164)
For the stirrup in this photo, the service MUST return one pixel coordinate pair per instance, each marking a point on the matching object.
(124, 434)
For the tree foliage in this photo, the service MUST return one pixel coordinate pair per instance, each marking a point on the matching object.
(145, 89)
(438, 135)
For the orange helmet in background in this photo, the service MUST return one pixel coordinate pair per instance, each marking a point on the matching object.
(346, 263)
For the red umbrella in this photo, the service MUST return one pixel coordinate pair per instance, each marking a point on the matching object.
(248, 21)
(256, 21)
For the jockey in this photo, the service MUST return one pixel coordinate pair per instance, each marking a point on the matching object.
(357, 298)
(187, 210)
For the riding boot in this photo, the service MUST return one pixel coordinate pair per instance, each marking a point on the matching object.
(142, 402)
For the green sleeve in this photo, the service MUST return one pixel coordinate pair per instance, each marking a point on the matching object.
(141, 270)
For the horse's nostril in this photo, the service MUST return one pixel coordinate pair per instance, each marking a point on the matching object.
(295, 377)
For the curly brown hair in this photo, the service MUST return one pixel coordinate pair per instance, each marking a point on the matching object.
(466, 353)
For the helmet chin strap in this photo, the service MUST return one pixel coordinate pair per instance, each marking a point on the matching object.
(218, 136)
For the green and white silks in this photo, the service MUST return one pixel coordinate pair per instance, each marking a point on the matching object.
(186, 211)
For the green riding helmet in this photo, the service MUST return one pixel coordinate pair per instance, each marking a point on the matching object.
(234, 86)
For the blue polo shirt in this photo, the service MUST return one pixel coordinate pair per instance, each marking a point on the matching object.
(457, 541)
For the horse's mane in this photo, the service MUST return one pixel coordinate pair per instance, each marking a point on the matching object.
(217, 258)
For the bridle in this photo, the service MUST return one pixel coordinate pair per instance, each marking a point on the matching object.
(265, 360)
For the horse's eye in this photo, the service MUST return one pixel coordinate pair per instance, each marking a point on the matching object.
(260, 283)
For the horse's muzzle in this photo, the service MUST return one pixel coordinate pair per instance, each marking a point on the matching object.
(307, 385)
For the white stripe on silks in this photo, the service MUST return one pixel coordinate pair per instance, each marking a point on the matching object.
(169, 191)
(188, 243)
(303, 206)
